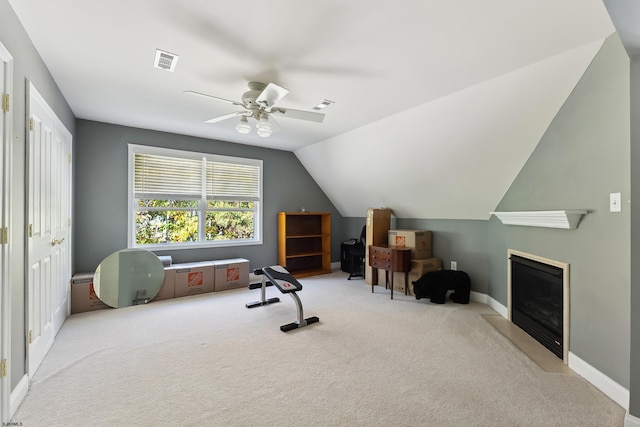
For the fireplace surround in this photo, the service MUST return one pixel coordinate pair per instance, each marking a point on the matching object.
(538, 299)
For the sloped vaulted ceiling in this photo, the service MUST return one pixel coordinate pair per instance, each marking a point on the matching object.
(454, 157)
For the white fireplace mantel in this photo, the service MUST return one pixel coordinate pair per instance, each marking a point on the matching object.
(568, 219)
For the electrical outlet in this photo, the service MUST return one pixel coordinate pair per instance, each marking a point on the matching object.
(454, 265)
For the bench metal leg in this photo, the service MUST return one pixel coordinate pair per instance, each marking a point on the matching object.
(301, 322)
(263, 297)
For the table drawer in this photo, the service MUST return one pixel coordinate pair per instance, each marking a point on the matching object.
(379, 258)
(382, 265)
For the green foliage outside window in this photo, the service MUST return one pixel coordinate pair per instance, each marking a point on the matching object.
(176, 221)
(231, 220)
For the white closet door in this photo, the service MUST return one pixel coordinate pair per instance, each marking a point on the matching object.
(48, 219)
(6, 83)
(4, 283)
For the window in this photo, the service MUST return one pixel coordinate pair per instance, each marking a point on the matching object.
(182, 199)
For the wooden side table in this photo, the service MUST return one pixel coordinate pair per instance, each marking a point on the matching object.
(390, 259)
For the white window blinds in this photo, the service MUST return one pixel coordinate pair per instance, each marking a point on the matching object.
(162, 177)
(232, 181)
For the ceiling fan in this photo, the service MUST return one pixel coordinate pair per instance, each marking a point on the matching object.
(259, 103)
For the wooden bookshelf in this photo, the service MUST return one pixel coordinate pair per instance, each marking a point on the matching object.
(304, 242)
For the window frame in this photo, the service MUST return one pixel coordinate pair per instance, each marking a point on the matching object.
(202, 205)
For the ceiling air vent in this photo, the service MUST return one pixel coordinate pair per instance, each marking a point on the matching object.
(165, 60)
(323, 104)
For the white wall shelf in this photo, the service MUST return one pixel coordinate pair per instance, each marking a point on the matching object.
(567, 219)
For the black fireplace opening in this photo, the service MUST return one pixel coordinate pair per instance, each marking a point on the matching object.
(537, 301)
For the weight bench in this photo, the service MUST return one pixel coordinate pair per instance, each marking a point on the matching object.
(279, 277)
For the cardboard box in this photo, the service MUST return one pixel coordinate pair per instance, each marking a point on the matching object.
(168, 286)
(193, 278)
(83, 296)
(418, 268)
(231, 274)
(418, 240)
(378, 223)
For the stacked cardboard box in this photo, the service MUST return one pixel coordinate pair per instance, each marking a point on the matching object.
(418, 240)
(193, 278)
(418, 268)
(378, 223)
(168, 286)
(179, 280)
(231, 274)
(203, 277)
(83, 296)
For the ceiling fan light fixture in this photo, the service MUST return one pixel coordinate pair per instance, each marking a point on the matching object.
(243, 126)
(258, 103)
(264, 125)
(264, 132)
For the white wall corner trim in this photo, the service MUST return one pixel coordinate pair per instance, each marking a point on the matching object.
(567, 219)
(615, 391)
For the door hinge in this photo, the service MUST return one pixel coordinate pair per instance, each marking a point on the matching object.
(6, 104)
(3, 368)
(31, 336)
(69, 158)
(30, 230)
(4, 236)
(30, 124)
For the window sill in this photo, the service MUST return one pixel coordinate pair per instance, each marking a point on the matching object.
(187, 246)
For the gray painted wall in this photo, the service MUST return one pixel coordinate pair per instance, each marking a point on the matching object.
(100, 214)
(462, 241)
(583, 156)
(27, 66)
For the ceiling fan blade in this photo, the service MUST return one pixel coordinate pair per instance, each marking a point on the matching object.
(298, 114)
(225, 117)
(216, 98)
(270, 95)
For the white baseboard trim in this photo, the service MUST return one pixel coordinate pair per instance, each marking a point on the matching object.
(18, 394)
(478, 297)
(615, 391)
(501, 309)
(631, 421)
(256, 279)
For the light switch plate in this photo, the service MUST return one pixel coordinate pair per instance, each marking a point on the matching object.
(615, 202)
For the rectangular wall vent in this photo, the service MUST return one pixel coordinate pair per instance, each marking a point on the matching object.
(165, 60)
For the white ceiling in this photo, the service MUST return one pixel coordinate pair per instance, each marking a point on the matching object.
(456, 68)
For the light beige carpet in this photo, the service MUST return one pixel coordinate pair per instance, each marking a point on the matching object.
(370, 361)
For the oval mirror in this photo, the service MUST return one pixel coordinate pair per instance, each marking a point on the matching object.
(128, 277)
